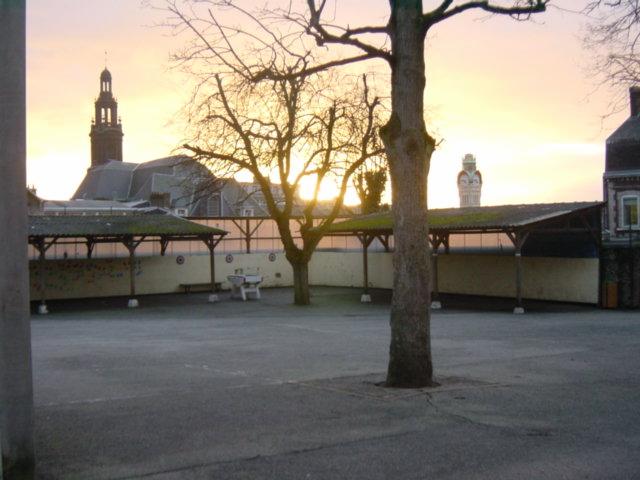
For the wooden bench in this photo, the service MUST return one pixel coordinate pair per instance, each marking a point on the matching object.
(203, 287)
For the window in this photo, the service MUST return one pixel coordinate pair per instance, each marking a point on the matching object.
(247, 212)
(181, 212)
(213, 205)
(629, 206)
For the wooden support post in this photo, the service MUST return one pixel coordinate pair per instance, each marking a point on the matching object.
(131, 246)
(211, 242)
(90, 246)
(212, 267)
(366, 241)
(247, 236)
(518, 238)
(518, 308)
(365, 266)
(42, 308)
(132, 273)
(42, 246)
(164, 243)
(384, 239)
(435, 292)
(213, 297)
(247, 232)
(434, 243)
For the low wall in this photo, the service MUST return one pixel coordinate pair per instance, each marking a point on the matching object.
(101, 277)
(562, 279)
(544, 278)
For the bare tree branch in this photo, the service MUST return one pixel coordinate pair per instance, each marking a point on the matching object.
(520, 10)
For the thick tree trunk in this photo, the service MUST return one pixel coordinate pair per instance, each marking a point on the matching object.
(409, 150)
(301, 281)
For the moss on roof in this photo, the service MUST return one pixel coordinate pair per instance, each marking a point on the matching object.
(472, 218)
(116, 225)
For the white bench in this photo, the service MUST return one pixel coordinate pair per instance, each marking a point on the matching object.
(245, 284)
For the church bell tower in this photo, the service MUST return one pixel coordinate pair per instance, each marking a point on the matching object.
(106, 129)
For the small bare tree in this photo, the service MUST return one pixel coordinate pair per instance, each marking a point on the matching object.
(289, 129)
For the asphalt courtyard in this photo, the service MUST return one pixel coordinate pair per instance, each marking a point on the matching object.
(182, 389)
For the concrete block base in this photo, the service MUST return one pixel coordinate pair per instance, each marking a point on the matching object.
(518, 311)
(213, 298)
(42, 309)
(133, 303)
(436, 305)
(365, 298)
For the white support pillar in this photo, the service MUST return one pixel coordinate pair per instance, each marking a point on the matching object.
(16, 390)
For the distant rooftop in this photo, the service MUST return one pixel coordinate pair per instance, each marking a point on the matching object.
(81, 205)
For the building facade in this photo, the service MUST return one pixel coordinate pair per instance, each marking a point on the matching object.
(469, 182)
(621, 219)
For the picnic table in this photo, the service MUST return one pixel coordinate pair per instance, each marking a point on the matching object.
(245, 284)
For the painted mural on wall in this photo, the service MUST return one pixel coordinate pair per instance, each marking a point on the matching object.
(61, 275)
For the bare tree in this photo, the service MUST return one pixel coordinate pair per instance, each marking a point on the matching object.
(290, 129)
(399, 43)
(409, 148)
(613, 36)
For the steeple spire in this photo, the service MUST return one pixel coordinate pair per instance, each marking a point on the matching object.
(106, 129)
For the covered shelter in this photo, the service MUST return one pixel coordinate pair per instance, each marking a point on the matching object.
(129, 230)
(559, 228)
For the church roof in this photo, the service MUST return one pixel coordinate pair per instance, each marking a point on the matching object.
(110, 181)
(468, 219)
(165, 162)
(117, 180)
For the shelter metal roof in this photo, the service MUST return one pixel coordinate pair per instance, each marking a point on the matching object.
(472, 219)
(116, 225)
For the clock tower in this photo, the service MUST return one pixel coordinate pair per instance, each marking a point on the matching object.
(469, 182)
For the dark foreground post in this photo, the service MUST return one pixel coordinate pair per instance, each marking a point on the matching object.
(16, 391)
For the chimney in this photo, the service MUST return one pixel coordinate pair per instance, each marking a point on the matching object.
(634, 97)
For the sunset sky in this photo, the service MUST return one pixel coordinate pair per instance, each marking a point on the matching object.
(514, 94)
